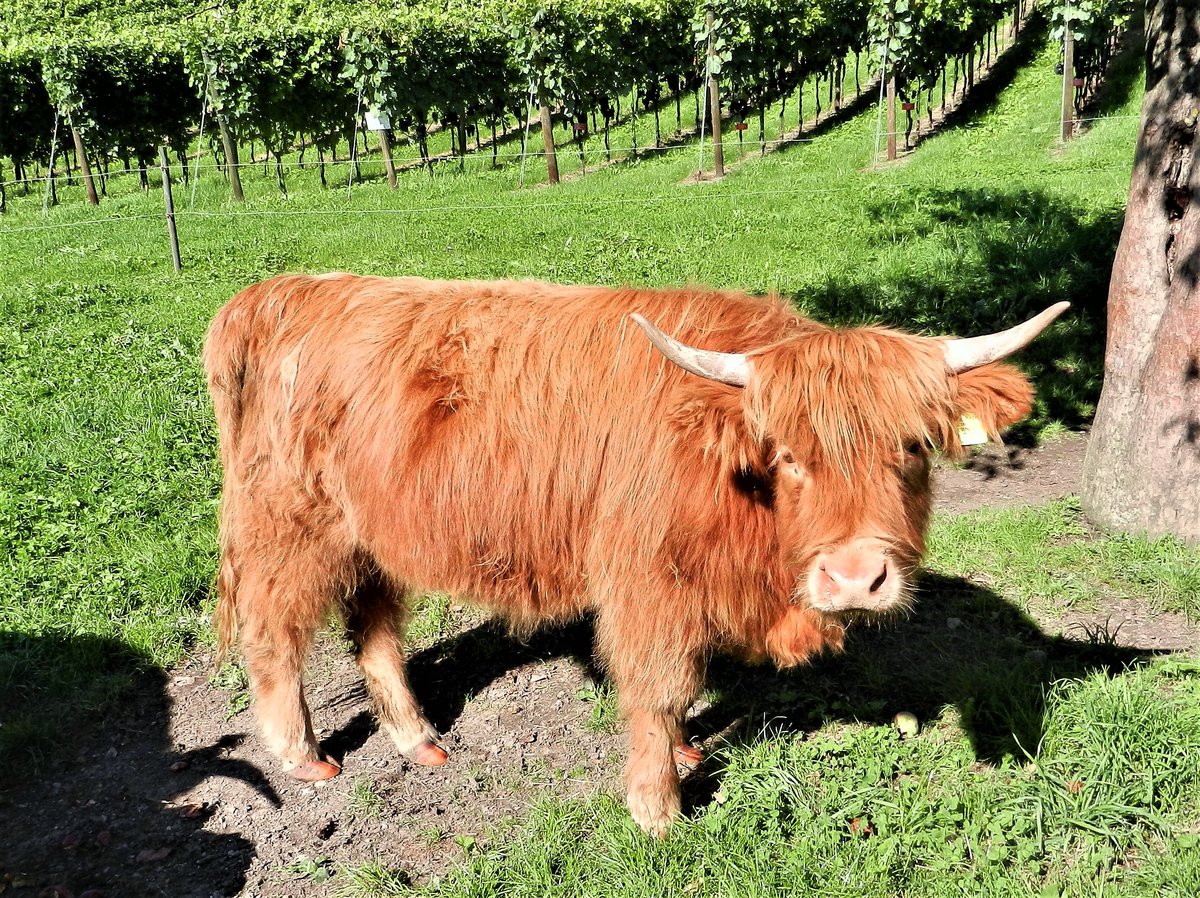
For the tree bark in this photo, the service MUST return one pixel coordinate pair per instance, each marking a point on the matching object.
(1142, 471)
(714, 104)
(548, 141)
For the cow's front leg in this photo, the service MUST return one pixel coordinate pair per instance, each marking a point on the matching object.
(655, 689)
(655, 660)
(651, 780)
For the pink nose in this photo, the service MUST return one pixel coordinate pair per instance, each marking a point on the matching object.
(857, 575)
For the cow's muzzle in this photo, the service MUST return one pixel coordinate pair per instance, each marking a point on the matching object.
(861, 575)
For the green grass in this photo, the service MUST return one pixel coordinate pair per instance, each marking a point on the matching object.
(1044, 766)
(365, 800)
(605, 717)
(1048, 558)
(373, 879)
(854, 810)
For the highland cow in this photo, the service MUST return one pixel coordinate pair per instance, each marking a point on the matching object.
(700, 471)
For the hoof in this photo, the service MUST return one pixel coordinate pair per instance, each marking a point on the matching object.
(314, 771)
(427, 754)
(654, 814)
(687, 756)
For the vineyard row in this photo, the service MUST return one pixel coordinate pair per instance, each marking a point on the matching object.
(109, 87)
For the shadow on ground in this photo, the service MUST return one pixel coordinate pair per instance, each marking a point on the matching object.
(964, 647)
(448, 674)
(86, 802)
(106, 815)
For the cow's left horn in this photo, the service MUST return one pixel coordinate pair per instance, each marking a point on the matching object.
(974, 352)
(731, 368)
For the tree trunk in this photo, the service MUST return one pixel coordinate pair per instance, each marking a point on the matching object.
(714, 101)
(1142, 471)
(548, 141)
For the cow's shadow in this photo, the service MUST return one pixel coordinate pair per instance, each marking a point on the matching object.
(447, 674)
(89, 802)
(964, 646)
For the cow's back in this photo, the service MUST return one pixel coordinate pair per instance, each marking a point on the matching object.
(514, 441)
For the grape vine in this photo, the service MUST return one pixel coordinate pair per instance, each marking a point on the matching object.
(130, 76)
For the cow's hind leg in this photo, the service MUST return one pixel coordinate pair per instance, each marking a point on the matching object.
(375, 621)
(282, 598)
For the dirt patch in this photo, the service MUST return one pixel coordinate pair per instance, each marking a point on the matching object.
(175, 799)
(173, 796)
(997, 476)
(1128, 622)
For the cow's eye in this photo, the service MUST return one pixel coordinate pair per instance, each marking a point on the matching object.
(914, 447)
(787, 458)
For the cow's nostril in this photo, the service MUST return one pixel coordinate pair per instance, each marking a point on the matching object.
(879, 581)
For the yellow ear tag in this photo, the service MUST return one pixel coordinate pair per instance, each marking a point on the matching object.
(971, 432)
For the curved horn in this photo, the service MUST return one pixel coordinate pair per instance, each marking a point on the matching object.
(726, 367)
(974, 352)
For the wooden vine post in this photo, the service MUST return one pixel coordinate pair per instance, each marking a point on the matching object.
(547, 123)
(380, 122)
(714, 99)
(1068, 91)
(385, 147)
(548, 140)
(169, 205)
(85, 167)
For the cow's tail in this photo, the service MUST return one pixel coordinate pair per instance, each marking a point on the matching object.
(225, 620)
(226, 356)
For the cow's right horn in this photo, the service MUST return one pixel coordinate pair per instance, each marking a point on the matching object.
(974, 352)
(731, 368)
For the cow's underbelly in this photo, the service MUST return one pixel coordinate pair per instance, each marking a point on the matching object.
(525, 581)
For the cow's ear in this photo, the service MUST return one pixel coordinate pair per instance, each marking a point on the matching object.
(998, 395)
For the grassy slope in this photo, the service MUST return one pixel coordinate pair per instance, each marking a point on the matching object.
(108, 484)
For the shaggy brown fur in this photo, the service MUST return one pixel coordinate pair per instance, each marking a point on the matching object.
(524, 445)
